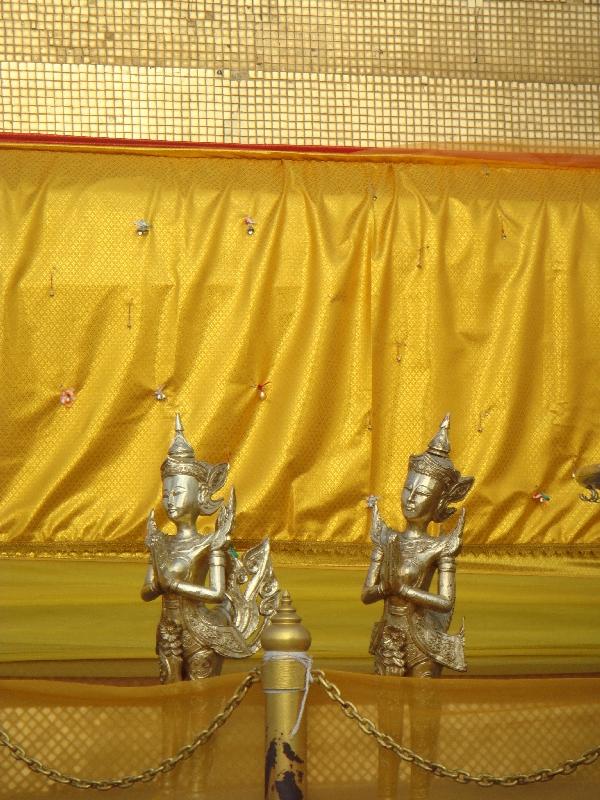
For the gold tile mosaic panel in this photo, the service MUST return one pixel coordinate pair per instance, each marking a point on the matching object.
(464, 74)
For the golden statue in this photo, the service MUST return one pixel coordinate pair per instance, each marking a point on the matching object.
(411, 638)
(589, 477)
(190, 569)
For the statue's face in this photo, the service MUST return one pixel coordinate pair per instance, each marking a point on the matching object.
(420, 497)
(180, 497)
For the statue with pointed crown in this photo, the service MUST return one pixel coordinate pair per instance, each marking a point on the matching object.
(412, 638)
(214, 603)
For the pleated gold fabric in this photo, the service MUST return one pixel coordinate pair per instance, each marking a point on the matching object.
(372, 298)
(486, 726)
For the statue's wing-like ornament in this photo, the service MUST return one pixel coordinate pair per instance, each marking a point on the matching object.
(156, 542)
(221, 538)
(453, 540)
(253, 591)
(378, 525)
(152, 532)
(252, 597)
(207, 628)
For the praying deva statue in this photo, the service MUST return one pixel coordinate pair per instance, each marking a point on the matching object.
(411, 638)
(191, 570)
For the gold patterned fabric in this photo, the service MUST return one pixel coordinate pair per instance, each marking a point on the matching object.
(484, 726)
(374, 296)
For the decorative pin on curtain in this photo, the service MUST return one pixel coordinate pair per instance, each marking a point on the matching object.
(261, 388)
(142, 227)
(68, 397)
(541, 497)
(159, 394)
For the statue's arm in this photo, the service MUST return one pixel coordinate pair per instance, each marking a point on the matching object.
(215, 591)
(373, 587)
(444, 600)
(150, 590)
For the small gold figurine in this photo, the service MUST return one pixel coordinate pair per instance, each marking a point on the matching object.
(411, 637)
(589, 477)
(190, 570)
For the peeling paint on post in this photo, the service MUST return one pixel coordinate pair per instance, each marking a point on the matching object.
(284, 772)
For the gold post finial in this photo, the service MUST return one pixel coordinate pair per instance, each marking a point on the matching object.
(178, 423)
(286, 631)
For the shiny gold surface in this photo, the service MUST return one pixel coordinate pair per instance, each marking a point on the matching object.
(458, 75)
(190, 570)
(589, 476)
(285, 683)
(315, 302)
(411, 638)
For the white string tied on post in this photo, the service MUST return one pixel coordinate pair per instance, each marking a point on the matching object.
(306, 661)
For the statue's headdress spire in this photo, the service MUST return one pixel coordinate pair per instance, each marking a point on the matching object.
(181, 460)
(435, 462)
(440, 445)
(181, 450)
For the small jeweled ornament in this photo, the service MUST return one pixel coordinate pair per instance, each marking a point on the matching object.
(159, 393)
(215, 603)
(250, 226)
(541, 497)
(261, 388)
(589, 477)
(68, 397)
(142, 226)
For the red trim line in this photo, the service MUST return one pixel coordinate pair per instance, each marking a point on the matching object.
(563, 159)
(47, 138)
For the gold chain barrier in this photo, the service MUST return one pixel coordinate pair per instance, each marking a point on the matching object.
(368, 727)
(459, 775)
(146, 775)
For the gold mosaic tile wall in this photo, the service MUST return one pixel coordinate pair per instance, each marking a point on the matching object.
(460, 74)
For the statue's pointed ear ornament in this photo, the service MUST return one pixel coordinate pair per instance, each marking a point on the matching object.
(181, 460)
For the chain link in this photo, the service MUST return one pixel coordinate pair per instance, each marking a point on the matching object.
(459, 775)
(146, 775)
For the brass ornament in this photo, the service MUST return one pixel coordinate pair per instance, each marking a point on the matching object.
(412, 638)
(189, 570)
(589, 477)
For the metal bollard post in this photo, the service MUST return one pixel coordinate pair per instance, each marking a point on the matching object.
(285, 675)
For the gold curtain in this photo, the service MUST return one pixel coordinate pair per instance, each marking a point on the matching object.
(514, 623)
(491, 726)
(375, 295)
